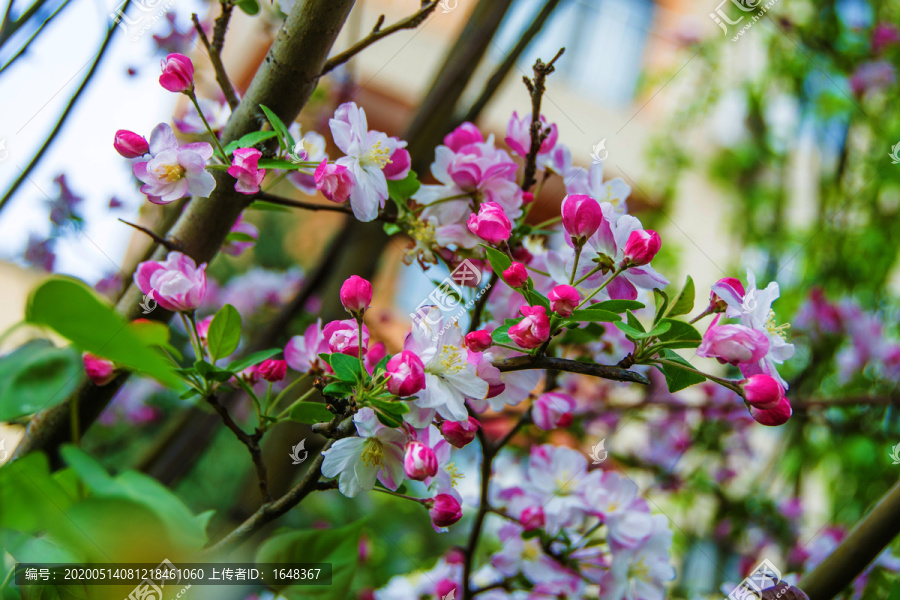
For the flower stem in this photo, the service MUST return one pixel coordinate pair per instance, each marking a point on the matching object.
(287, 410)
(723, 382)
(390, 493)
(552, 221)
(597, 291)
(288, 388)
(209, 130)
(575, 265)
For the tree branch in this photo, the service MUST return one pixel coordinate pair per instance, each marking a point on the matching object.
(300, 204)
(523, 363)
(537, 87)
(168, 244)
(410, 22)
(249, 440)
(214, 50)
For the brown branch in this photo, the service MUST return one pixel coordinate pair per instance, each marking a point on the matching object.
(537, 87)
(167, 244)
(300, 204)
(481, 302)
(214, 50)
(523, 363)
(252, 443)
(410, 22)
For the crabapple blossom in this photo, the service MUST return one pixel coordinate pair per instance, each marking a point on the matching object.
(358, 461)
(462, 136)
(272, 370)
(581, 216)
(779, 414)
(641, 247)
(216, 113)
(479, 340)
(641, 572)
(174, 171)
(400, 162)
(244, 168)
(356, 295)
(490, 224)
(99, 370)
(578, 181)
(733, 344)
(203, 329)
(516, 275)
(176, 283)
(419, 461)
(343, 337)
(518, 135)
(444, 509)
(533, 330)
(334, 181)
(761, 391)
(532, 517)
(615, 499)
(563, 300)
(460, 433)
(732, 288)
(177, 73)
(407, 374)
(302, 352)
(129, 144)
(552, 410)
(552, 476)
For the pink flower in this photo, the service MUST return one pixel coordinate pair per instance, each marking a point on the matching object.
(236, 247)
(533, 330)
(302, 352)
(272, 370)
(374, 356)
(99, 370)
(356, 295)
(244, 169)
(516, 275)
(343, 337)
(518, 135)
(552, 410)
(407, 374)
(465, 134)
(527, 198)
(564, 299)
(399, 165)
(884, 35)
(203, 328)
(479, 341)
(174, 171)
(460, 433)
(532, 517)
(334, 181)
(872, 76)
(176, 283)
(445, 510)
(581, 216)
(129, 144)
(762, 391)
(177, 73)
(641, 247)
(774, 416)
(490, 224)
(419, 461)
(733, 344)
(731, 287)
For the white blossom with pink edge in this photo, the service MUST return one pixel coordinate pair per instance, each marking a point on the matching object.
(641, 572)
(174, 171)
(553, 475)
(358, 461)
(615, 191)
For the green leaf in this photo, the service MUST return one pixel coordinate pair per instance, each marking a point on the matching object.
(285, 140)
(593, 314)
(224, 332)
(630, 331)
(676, 378)
(633, 321)
(499, 261)
(388, 419)
(501, 334)
(684, 303)
(660, 329)
(74, 311)
(391, 228)
(276, 163)
(338, 389)
(252, 359)
(347, 368)
(239, 236)
(212, 372)
(310, 412)
(662, 303)
(338, 546)
(251, 7)
(268, 206)
(583, 335)
(618, 306)
(36, 376)
(403, 189)
(252, 138)
(680, 335)
(394, 408)
(537, 299)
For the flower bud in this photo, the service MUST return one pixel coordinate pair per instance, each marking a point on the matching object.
(563, 300)
(177, 73)
(203, 328)
(490, 224)
(532, 518)
(732, 285)
(533, 330)
(446, 588)
(479, 341)
(343, 337)
(527, 198)
(407, 374)
(445, 510)
(516, 275)
(462, 136)
(779, 414)
(552, 410)
(642, 246)
(581, 216)
(761, 391)
(460, 433)
(272, 370)
(129, 144)
(334, 181)
(356, 295)
(99, 370)
(419, 461)
(245, 169)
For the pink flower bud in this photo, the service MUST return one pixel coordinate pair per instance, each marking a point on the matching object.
(533, 330)
(641, 247)
(445, 510)
(516, 275)
(733, 344)
(490, 224)
(356, 295)
(522, 255)
(203, 328)
(733, 286)
(399, 166)
(272, 370)
(419, 461)
(446, 588)
(244, 168)
(176, 283)
(99, 370)
(527, 198)
(532, 517)
(343, 337)
(552, 410)
(463, 135)
(334, 181)
(460, 433)
(563, 299)
(177, 73)
(455, 556)
(779, 414)
(407, 374)
(762, 391)
(479, 341)
(581, 216)
(129, 144)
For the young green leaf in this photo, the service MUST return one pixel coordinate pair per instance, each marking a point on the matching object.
(252, 359)
(224, 332)
(618, 306)
(678, 378)
(35, 376)
(499, 261)
(662, 303)
(310, 412)
(285, 141)
(680, 335)
(347, 368)
(684, 303)
(403, 189)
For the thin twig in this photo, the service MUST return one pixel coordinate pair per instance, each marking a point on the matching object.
(481, 302)
(214, 50)
(410, 22)
(167, 244)
(537, 87)
(300, 204)
(251, 440)
(523, 363)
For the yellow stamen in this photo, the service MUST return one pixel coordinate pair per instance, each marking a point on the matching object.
(775, 329)
(454, 474)
(171, 173)
(452, 359)
(373, 452)
(378, 154)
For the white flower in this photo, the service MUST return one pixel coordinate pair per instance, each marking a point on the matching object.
(641, 572)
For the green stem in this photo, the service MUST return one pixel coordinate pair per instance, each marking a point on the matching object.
(597, 291)
(724, 382)
(275, 181)
(552, 221)
(289, 387)
(12, 570)
(209, 130)
(287, 410)
(575, 266)
(191, 329)
(395, 494)
(441, 201)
